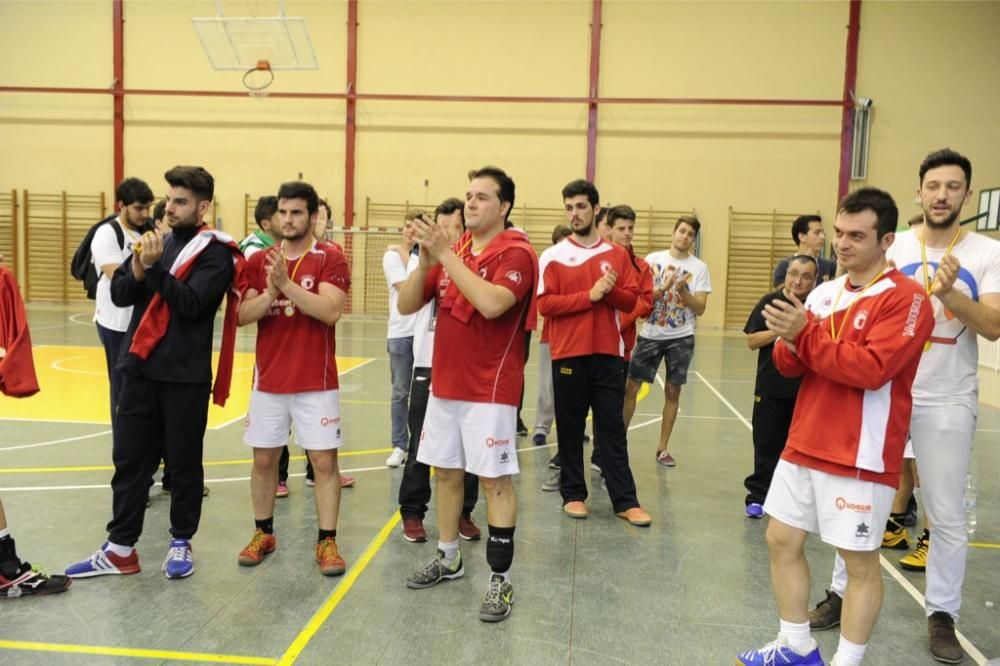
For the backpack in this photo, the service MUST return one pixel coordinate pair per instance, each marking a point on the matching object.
(82, 266)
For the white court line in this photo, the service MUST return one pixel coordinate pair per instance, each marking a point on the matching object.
(235, 479)
(57, 365)
(724, 401)
(55, 441)
(970, 648)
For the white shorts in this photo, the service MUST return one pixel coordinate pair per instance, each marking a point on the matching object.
(316, 415)
(846, 512)
(479, 437)
(908, 453)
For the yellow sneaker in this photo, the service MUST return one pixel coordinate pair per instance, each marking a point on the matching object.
(917, 560)
(895, 536)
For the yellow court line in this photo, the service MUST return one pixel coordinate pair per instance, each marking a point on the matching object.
(135, 653)
(208, 463)
(985, 545)
(321, 616)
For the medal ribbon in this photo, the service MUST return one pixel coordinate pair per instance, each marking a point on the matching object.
(847, 315)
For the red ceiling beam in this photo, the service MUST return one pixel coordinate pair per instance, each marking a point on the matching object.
(510, 99)
(350, 121)
(595, 70)
(850, 84)
(118, 66)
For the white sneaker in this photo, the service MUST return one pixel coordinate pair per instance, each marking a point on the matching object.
(396, 458)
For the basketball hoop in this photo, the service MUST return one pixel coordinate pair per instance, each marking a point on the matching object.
(258, 79)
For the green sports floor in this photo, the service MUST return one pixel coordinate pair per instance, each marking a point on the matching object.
(692, 589)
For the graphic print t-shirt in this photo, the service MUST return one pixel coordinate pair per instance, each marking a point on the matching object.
(670, 318)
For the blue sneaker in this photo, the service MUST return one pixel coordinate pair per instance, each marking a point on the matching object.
(778, 653)
(180, 560)
(755, 511)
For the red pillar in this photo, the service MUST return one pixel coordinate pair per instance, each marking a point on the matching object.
(350, 127)
(118, 66)
(595, 69)
(850, 82)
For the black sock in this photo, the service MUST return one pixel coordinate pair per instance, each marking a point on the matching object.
(266, 526)
(327, 534)
(7, 551)
(500, 548)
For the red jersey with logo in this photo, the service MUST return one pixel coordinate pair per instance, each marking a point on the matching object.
(575, 325)
(852, 414)
(478, 359)
(643, 304)
(295, 353)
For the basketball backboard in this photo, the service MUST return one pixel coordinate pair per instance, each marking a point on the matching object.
(242, 43)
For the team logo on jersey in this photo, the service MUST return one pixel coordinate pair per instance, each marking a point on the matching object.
(826, 303)
(308, 282)
(860, 319)
(514, 276)
(504, 457)
(491, 442)
(861, 532)
(605, 266)
(329, 420)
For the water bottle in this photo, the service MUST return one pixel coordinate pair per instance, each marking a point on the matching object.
(969, 500)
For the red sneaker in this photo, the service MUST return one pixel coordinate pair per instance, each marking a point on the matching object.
(467, 529)
(413, 530)
(329, 559)
(260, 545)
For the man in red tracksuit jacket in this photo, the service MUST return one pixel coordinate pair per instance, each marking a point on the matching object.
(621, 219)
(584, 284)
(856, 344)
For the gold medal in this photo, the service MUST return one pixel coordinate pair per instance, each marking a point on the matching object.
(289, 310)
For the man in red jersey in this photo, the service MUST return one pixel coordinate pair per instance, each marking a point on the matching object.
(483, 286)
(296, 295)
(584, 283)
(856, 344)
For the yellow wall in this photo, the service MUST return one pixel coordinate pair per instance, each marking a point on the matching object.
(930, 67)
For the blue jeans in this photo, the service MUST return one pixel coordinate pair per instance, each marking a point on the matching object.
(401, 370)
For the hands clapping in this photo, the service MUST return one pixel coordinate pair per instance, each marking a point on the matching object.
(603, 285)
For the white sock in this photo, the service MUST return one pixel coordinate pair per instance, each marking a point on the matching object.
(120, 551)
(797, 636)
(848, 653)
(450, 550)
(5, 532)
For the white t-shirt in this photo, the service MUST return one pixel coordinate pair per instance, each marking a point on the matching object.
(400, 326)
(670, 317)
(947, 371)
(105, 250)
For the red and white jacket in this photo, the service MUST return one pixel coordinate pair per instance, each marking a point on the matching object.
(853, 409)
(643, 304)
(575, 326)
